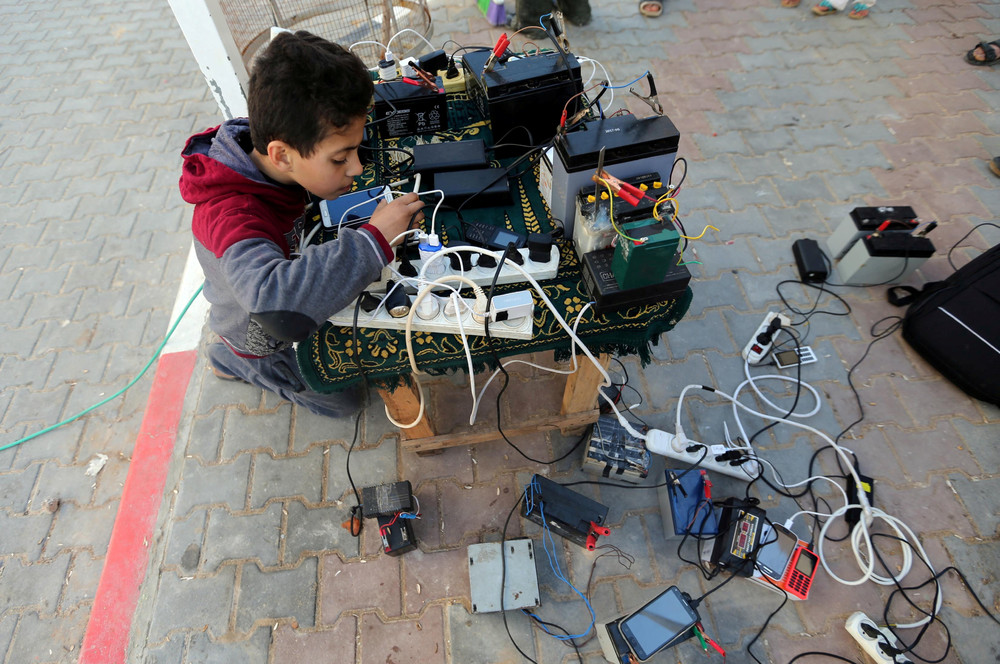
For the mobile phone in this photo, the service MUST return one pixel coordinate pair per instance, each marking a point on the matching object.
(777, 544)
(789, 358)
(353, 209)
(801, 573)
(664, 621)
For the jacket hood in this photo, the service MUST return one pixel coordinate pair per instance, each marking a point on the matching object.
(233, 199)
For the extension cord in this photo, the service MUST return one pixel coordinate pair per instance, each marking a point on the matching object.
(756, 350)
(662, 443)
(870, 645)
(442, 323)
(482, 276)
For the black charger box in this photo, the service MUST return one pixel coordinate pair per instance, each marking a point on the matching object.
(809, 259)
(450, 156)
(484, 187)
(386, 499)
(523, 98)
(402, 109)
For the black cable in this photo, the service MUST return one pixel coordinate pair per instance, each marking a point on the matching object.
(818, 653)
(813, 310)
(503, 577)
(506, 376)
(963, 238)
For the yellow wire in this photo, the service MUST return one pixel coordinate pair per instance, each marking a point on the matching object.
(611, 213)
(703, 231)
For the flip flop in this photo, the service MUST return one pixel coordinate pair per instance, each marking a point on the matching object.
(650, 8)
(790, 3)
(995, 166)
(990, 56)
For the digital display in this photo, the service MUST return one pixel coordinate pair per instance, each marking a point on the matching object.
(505, 238)
(658, 623)
(806, 563)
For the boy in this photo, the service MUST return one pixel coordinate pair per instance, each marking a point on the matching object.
(250, 180)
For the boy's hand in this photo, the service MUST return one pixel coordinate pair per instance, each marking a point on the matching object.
(396, 217)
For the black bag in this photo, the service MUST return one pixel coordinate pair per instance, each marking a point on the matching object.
(955, 325)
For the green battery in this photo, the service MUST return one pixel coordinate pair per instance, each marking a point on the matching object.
(640, 264)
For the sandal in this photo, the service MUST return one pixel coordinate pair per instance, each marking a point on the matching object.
(824, 9)
(995, 166)
(859, 10)
(990, 56)
(650, 8)
(790, 3)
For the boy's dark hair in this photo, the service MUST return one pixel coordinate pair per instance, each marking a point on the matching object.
(302, 88)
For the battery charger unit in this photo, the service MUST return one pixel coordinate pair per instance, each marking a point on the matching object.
(484, 187)
(450, 156)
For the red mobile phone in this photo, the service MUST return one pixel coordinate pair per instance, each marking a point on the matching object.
(801, 572)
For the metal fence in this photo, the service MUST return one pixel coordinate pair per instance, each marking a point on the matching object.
(345, 22)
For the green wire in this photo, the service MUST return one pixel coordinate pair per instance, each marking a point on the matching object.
(132, 382)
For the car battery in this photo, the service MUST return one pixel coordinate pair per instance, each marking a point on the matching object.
(883, 258)
(632, 146)
(865, 220)
(402, 109)
(595, 207)
(615, 454)
(645, 259)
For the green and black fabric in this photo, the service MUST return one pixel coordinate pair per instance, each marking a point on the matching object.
(328, 358)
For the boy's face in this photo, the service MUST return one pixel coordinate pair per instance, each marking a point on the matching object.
(330, 170)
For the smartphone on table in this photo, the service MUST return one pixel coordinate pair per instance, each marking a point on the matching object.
(664, 621)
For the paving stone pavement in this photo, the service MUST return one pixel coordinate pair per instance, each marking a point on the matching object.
(788, 121)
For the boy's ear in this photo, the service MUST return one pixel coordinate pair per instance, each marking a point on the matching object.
(279, 155)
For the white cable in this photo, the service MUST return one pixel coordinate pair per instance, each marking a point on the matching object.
(409, 343)
(476, 400)
(559, 319)
(465, 344)
(606, 77)
(860, 536)
(389, 43)
(358, 43)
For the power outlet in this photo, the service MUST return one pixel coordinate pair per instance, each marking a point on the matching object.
(442, 322)
(482, 276)
(760, 343)
(874, 639)
(663, 443)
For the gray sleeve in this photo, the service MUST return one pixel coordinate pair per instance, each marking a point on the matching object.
(292, 297)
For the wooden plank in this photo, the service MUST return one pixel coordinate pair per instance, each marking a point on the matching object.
(481, 434)
(581, 387)
(403, 404)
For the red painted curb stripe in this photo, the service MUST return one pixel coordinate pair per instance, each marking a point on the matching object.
(106, 639)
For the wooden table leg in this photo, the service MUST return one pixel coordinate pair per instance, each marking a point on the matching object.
(581, 387)
(403, 404)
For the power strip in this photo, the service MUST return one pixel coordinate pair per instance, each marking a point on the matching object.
(756, 350)
(482, 276)
(661, 442)
(871, 643)
(442, 323)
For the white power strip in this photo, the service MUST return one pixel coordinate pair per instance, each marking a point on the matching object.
(872, 639)
(661, 442)
(520, 328)
(755, 351)
(482, 276)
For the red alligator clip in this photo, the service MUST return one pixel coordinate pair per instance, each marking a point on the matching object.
(595, 532)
